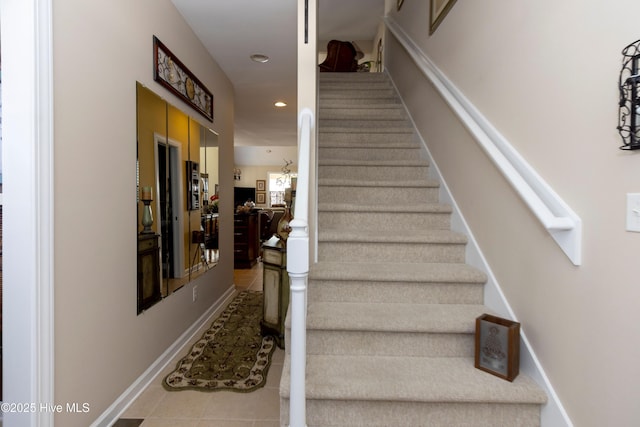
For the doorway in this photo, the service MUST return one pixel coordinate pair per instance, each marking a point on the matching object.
(169, 185)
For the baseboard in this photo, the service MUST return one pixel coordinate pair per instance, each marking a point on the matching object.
(117, 408)
(553, 413)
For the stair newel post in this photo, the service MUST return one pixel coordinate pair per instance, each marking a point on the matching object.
(298, 269)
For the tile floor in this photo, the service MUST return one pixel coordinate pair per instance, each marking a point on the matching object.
(160, 408)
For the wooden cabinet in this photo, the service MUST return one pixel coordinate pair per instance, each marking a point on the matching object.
(275, 286)
(245, 240)
(148, 271)
(209, 224)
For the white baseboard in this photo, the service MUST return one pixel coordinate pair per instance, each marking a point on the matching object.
(553, 413)
(117, 408)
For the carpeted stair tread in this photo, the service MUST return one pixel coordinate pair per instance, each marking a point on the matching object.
(363, 112)
(398, 317)
(352, 77)
(341, 182)
(397, 272)
(366, 123)
(406, 236)
(412, 379)
(364, 127)
(327, 142)
(354, 162)
(382, 103)
(398, 208)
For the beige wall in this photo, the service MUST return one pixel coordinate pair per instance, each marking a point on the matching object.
(100, 50)
(545, 74)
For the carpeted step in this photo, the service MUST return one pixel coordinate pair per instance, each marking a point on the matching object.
(371, 138)
(365, 170)
(337, 86)
(392, 329)
(395, 245)
(356, 93)
(383, 215)
(386, 112)
(379, 282)
(340, 190)
(368, 103)
(370, 152)
(352, 78)
(358, 124)
(433, 391)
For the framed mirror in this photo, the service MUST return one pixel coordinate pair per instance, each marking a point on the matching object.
(177, 168)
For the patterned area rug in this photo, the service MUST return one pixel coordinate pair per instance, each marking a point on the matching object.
(232, 355)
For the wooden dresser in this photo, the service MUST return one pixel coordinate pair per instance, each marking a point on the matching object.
(148, 271)
(245, 240)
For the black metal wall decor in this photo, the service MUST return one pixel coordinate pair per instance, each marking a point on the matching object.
(629, 106)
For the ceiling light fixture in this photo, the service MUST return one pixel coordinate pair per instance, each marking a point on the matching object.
(280, 104)
(257, 57)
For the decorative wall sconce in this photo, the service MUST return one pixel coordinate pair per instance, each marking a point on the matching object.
(629, 106)
(236, 174)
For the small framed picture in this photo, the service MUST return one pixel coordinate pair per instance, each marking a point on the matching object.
(261, 198)
(498, 346)
(261, 185)
(439, 9)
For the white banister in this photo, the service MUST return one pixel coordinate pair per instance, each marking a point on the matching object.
(298, 269)
(554, 214)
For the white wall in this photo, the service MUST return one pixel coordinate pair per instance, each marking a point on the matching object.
(100, 51)
(545, 74)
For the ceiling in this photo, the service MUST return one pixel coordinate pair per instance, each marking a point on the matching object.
(233, 30)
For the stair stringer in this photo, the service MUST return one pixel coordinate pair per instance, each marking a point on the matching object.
(553, 412)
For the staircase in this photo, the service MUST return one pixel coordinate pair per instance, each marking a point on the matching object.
(391, 303)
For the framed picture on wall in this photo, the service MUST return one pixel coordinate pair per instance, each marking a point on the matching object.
(497, 346)
(261, 198)
(261, 185)
(437, 12)
(171, 73)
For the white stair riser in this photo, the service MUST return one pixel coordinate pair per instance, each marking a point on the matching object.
(390, 252)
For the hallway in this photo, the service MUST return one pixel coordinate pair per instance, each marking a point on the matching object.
(156, 407)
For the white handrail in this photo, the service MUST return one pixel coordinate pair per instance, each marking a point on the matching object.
(298, 269)
(553, 213)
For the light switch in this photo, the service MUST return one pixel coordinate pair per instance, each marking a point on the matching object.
(633, 212)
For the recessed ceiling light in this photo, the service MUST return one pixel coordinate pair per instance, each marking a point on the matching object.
(257, 57)
(280, 104)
